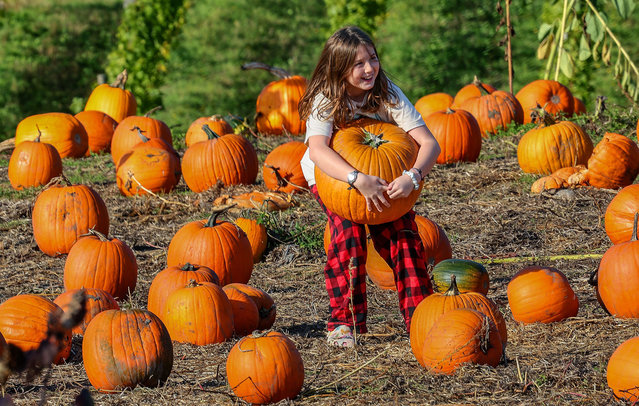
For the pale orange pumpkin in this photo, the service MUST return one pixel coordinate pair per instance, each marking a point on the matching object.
(429, 104)
(113, 99)
(62, 130)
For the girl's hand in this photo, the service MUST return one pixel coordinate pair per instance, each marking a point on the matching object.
(401, 186)
(373, 189)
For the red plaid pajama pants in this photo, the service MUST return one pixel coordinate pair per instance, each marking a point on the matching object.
(397, 242)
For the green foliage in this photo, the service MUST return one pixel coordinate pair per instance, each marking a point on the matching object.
(51, 54)
(204, 71)
(366, 14)
(144, 40)
(284, 228)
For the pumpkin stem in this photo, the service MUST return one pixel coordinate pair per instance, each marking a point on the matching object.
(264, 313)
(593, 279)
(541, 116)
(102, 237)
(484, 340)
(212, 220)
(120, 81)
(480, 85)
(449, 110)
(281, 182)
(210, 133)
(452, 290)
(373, 140)
(279, 72)
(37, 139)
(58, 180)
(192, 283)
(143, 137)
(188, 267)
(153, 110)
(634, 228)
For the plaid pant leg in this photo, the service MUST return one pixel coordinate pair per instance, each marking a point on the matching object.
(399, 244)
(345, 271)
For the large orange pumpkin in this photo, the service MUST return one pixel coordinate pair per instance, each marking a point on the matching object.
(494, 110)
(614, 163)
(265, 368)
(221, 246)
(97, 301)
(62, 130)
(541, 294)
(230, 159)
(62, 213)
(24, 322)
(374, 148)
(551, 95)
(216, 123)
(461, 336)
(458, 135)
(622, 373)
(113, 99)
(282, 171)
(430, 310)
(264, 302)
(427, 105)
(172, 278)
(96, 261)
(127, 134)
(199, 314)
(33, 163)
(276, 106)
(618, 279)
(552, 146)
(126, 348)
(99, 127)
(620, 214)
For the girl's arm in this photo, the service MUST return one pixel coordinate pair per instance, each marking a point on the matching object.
(331, 163)
(426, 156)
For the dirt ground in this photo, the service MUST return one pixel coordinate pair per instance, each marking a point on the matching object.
(488, 214)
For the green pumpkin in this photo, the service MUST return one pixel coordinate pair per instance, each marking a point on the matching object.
(471, 276)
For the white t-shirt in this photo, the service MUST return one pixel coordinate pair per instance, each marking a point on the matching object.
(403, 114)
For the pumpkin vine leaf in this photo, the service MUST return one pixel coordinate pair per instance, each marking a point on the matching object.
(581, 32)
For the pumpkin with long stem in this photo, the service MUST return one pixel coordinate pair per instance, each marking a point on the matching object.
(282, 171)
(230, 159)
(33, 163)
(265, 368)
(113, 99)
(553, 145)
(219, 245)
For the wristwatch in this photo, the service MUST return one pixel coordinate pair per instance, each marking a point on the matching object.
(413, 178)
(351, 178)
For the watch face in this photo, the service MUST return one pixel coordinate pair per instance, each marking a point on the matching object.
(352, 177)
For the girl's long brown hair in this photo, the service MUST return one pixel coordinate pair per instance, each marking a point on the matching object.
(329, 78)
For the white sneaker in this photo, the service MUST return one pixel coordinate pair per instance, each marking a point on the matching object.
(342, 336)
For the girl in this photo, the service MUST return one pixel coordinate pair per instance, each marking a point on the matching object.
(348, 83)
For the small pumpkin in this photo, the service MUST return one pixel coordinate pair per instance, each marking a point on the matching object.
(97, 301)
(62, 130)
(431, 309)
(553, 145)
(61, 214)
(33, 163)
(264, 302)
(113, 99)
(551, 95)
(620, 214)
(458, 134)
(461, 336)
(99, 127)
(246, 316)
(470, 276)
(126, 348)
(256, 234)
(277, 104)
(219, 245)
(265, 368)
(199, 314)
(429, 104)
(282, 171)
(175, 277)
(622, 372)
(99, 262)
(375, 148)
(230, 159)
(24, 322)
(216, 123)
(541, 294)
